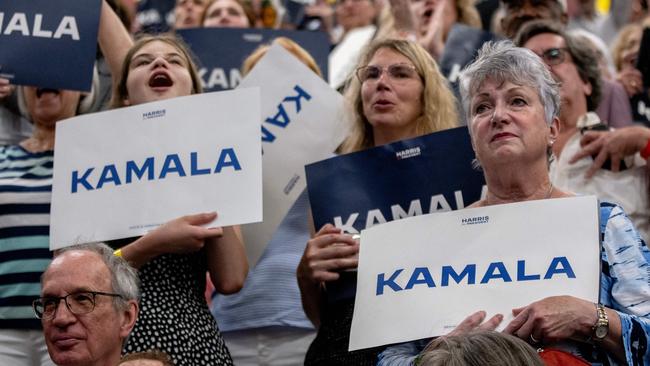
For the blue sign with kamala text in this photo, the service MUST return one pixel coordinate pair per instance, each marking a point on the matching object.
(427, 174)
(49, 43)
(222, 51)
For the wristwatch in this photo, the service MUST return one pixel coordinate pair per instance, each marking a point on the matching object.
(601, 328)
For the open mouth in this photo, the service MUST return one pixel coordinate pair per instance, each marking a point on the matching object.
(160, 80)
(41, 91)
(428, 13)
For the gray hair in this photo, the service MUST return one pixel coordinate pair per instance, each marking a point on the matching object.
(124, 278)
(480, 348)
(503, 61)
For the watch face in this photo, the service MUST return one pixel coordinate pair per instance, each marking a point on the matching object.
(601, 331)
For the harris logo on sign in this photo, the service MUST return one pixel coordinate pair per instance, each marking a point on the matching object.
(475, 220)
(408, 153)
(153, 114)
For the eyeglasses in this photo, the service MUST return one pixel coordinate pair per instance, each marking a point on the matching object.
(554, 56)
(78, 303)
(396, 72)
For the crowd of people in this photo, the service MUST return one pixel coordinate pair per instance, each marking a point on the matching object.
(551, 112)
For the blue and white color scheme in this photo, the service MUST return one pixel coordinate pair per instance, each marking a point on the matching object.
(25, 193)
(302, 122)
(406, 178)
(219, 63)
(124, 172)
(492, 258)
(63, 31)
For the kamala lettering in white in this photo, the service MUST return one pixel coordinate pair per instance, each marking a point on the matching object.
(19, 23)
(437, 203)
(132, 170)
(217, 77)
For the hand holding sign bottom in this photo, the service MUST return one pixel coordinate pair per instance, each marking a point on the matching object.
(329, 252)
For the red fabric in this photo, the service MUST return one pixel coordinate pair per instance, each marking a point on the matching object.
(554, 357)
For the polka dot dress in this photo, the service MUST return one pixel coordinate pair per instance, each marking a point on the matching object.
(174, 316)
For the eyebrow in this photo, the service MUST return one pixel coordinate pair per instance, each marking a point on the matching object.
(146, 55)
(74, 291)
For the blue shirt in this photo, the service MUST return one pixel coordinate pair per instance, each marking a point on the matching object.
(270, 296)
(625, 287)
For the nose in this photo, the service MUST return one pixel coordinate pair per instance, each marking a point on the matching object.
(63, 316)
(383, 80)
(499, 115)
(159, 62)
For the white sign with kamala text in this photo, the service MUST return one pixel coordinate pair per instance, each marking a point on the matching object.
(302, 122)
(419, 277)
(124, 172)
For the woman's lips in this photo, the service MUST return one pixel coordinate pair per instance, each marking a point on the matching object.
(383, 105)
(502, 136)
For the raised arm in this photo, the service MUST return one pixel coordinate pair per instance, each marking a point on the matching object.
(114, 39)
(227, 262)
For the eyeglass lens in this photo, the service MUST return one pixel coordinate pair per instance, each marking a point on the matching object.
(553, 56)
(79, 303)
(395, 72)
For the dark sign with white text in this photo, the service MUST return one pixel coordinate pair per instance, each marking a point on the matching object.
(427, 174)
(222, 51)
(49, 43)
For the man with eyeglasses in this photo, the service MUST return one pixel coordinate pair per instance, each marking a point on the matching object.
(575, 66)
(88, 305)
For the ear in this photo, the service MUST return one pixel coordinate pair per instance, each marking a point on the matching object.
(129, 317)
(587, 88)
(554, 129)
(126, 102)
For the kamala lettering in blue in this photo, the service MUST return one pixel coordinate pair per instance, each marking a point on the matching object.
(281, 118)
(494, 271)
(20, 24)
(151, 169)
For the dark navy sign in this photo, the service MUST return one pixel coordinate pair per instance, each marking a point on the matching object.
(222, 51)
(461, 47)
(49, 43)
(431, 173)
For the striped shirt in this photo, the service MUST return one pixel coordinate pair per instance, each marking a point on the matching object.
(25, 194)
(270, 296)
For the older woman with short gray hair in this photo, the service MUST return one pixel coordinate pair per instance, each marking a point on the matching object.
(511, 102)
